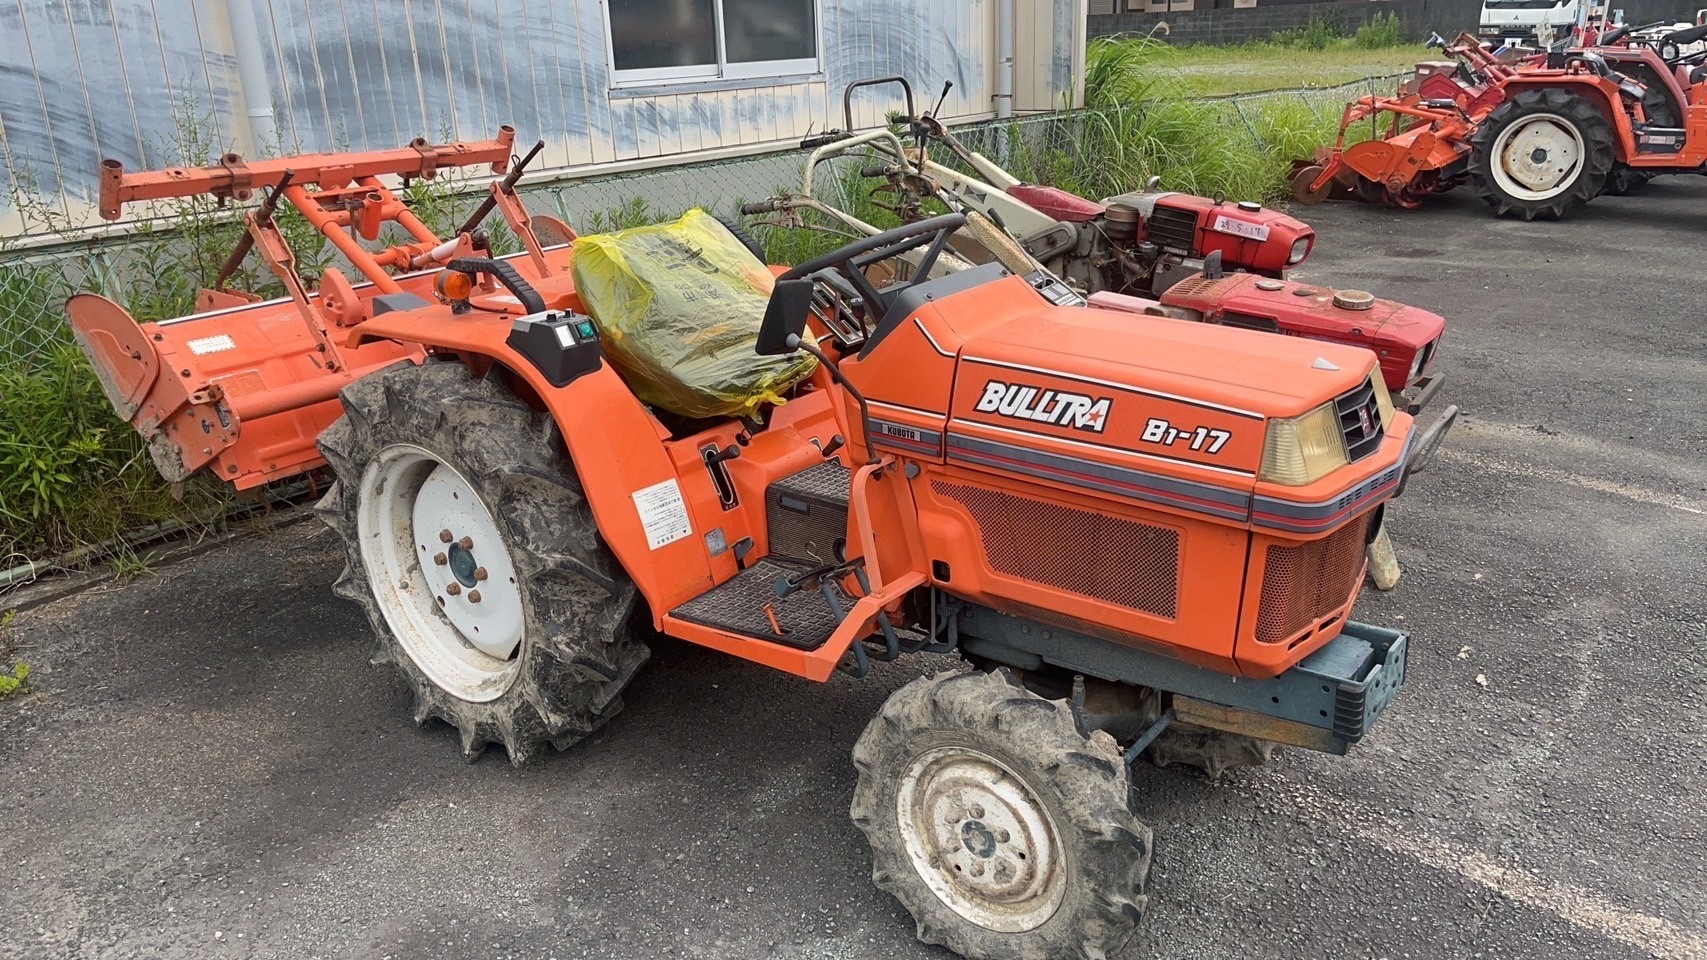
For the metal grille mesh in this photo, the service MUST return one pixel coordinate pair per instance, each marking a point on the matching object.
(1302, 584)
(1106, 558)
(1174, 230)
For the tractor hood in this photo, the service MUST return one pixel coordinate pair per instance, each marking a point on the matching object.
(1169, 389)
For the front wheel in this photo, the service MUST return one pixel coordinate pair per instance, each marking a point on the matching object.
(999, 822)
(1542, 153)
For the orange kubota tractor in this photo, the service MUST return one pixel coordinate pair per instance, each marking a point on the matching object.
(1142, 536)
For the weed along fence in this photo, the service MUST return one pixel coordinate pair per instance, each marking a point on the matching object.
(71, 474)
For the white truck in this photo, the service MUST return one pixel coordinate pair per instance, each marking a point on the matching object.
(1533, 23)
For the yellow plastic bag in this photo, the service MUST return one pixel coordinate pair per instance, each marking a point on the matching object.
(679, 306)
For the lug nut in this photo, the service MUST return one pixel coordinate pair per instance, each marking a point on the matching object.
(466, 543)
(480, 573)
(445, 536)
(473, 596)
(977, 869)
(1002, 836)
(440, 559)
(453, 589)
(977, 812)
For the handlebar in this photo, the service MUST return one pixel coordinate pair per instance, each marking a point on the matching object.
(507, 274)
(948, 222)
(847, 96)
(824, 139)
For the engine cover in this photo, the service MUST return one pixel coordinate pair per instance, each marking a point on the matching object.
(1248, 236)
(1395, 331)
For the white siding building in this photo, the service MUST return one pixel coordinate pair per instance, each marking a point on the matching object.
(608, 84)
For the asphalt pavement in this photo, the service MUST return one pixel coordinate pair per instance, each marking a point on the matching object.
(209, 766)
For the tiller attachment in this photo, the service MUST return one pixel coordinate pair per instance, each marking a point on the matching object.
(244, 386)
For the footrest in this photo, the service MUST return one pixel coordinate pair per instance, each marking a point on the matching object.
(739, 606)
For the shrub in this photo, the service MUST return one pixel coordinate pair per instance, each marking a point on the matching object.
(1316, 35)
(1380, 32)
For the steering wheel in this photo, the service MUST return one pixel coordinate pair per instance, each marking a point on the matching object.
(852, 260)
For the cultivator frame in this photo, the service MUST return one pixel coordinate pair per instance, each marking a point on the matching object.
(243, 386)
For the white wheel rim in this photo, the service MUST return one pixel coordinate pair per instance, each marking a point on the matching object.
(980, 840)
(1537, 158)
(452, 603)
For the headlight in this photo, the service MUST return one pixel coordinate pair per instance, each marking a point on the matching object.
(1300, 250)
(1416, 365)
(1304, 449)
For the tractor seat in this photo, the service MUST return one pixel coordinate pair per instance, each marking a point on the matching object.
(1690, 76)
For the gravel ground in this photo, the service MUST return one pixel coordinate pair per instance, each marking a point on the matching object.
(210, 768)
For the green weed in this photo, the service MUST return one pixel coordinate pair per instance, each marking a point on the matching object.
(1380, 31)
(15, 681)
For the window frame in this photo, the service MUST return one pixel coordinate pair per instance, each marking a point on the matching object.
(723, 69)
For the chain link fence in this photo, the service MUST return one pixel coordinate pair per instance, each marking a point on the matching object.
(1231, 147)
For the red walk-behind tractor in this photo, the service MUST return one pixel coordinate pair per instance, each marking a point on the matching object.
(1156, 251)
(1144, 536)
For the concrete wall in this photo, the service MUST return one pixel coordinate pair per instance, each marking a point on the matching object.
(1228, 25)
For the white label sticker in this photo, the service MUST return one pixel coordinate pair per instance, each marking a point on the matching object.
(663, 513)
(208, 345)
(1240, 228)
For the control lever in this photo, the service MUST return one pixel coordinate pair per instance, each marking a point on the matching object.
(836, 443)
(714, 460)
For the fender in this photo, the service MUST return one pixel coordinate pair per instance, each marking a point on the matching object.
(1592, 89)
(614, 442)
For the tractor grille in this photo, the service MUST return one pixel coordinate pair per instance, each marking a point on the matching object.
(1122, 562)
(1360, 419)
(1305, 583)
(1174, 230)
(1250, 321)
(1427, 353)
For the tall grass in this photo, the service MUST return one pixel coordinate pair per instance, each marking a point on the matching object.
(1140, 122)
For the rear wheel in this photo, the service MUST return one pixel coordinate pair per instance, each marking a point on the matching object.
(999, 822)
(1541, 154)
(475, 556)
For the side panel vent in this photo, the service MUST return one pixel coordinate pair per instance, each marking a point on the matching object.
(1118, 561)
(1302, 584)
(1173, 229)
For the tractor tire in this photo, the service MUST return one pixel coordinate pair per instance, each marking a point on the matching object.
(999, 821)
(1542, 153)
(449, 487)
(739, 230)
(1212, 751)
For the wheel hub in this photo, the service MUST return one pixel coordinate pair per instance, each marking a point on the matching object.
(981, 840)
(462, 564)
(1537, 157)
(440, 572)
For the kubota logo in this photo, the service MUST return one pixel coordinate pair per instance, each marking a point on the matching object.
(1044, 406)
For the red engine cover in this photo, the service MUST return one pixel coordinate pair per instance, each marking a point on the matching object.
(1057, 203)
(1260, 240)
(1395, 331)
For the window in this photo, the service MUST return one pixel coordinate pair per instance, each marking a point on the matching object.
(653, 41)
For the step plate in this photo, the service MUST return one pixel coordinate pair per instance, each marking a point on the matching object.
(738, 606)
(807, 514)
